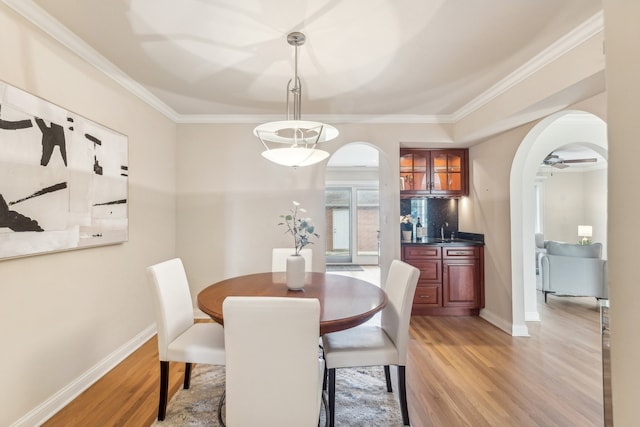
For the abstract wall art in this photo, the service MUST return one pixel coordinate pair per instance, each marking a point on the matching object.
(63, 178)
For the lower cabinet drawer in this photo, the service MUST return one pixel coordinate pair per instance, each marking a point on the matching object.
(427, 295)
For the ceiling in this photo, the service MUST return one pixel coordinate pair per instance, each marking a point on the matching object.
(229, 59)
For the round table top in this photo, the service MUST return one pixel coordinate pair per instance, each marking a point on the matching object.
(345, 301)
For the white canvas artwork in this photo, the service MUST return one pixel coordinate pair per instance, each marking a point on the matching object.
(63, 178)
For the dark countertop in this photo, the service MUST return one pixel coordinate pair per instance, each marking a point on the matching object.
(446, 242)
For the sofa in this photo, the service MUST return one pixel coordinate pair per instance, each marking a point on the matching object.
(574, 269)
(541, 249)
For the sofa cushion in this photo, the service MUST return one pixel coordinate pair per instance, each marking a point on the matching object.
(574, 250)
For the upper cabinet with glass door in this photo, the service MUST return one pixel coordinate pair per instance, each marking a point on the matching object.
(441, 173)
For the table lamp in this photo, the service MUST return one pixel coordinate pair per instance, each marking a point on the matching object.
(585, 231)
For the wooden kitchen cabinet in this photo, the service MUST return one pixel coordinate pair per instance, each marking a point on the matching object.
(428, 259)
(462, 285)
(427, 172)
(451, 281)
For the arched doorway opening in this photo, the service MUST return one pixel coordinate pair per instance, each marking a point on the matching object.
(352, 206)
(551, 133)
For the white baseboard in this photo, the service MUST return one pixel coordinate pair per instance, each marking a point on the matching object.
(59, 400)
(505, 325)
(532, 316)
(520, 331)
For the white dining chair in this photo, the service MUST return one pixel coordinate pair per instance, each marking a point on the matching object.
(274, 374)
(377, 345)
(180, 339)
(279, 258)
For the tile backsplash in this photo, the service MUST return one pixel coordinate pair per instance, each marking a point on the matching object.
(433, 214)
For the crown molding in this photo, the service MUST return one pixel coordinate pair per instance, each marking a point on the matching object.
(574, 38)
(326, 118)
(36, 15)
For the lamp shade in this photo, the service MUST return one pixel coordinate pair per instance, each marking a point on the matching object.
(295, 156)
(294, 142)
(298, 132)
(585, 230)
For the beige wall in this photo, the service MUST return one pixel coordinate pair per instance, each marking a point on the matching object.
(64, 313)
(490, 165)
(595, 207)
(573, 198)
(623, 101)
(230, 199)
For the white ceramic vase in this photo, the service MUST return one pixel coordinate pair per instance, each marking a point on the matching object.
(295, 272)
(406, 236)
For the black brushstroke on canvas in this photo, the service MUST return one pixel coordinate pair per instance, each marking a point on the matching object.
(16, 221)
(46, 190)
(93, 139)
(113, 202)
(97, 169)
(13, 125)
(52, 136)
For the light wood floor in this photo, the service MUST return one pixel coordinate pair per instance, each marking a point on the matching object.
(462, 371)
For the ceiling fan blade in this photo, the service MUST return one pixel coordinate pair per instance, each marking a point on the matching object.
(591, 160)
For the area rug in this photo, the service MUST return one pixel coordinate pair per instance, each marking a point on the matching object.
(361, 400)
(350, 267)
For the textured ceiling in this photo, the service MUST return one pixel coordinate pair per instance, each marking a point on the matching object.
(370, 58)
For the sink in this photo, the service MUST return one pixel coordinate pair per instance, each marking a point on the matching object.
(437, 240)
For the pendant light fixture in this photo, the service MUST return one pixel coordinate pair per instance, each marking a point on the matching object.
(294, 142)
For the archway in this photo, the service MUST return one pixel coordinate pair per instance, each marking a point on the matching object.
(551, 133)
(353, 206)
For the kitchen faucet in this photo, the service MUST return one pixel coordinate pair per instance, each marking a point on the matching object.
(446, 224)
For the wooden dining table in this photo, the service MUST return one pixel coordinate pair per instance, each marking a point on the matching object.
(345, 301)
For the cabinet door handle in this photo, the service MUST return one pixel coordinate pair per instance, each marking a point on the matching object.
(424, 296)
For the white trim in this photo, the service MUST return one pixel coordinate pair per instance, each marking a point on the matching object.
(34, 13)
(500, 323)
(573, 39)
(520, 331)
(61, 398)
(44, 21)
(532, 316)
(325, 118)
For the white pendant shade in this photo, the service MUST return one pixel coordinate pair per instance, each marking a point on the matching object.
(295, 156)
(295, 131)
(300, 137)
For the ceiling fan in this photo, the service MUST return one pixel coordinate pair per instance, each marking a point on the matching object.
(560, 163)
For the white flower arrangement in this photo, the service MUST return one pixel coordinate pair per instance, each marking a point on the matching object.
(406, 219)
(300, 228)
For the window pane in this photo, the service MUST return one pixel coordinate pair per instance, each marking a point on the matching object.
(338, 232)
(368, 202)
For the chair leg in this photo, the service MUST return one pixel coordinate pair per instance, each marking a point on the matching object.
(332, 397)
(324, 378)
(402, 385)
(387, 377)
(164, 389)
(187, 375)
(221, 403)
(326, 411)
